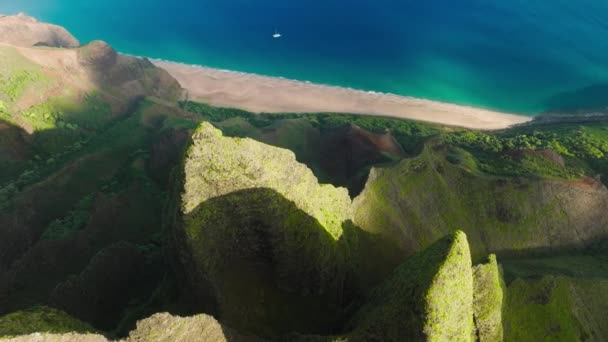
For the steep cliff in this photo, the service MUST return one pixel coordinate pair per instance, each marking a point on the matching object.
(428, 298)
(489, 297)
(274, 248)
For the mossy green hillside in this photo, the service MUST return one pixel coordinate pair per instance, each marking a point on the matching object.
(423, 198)
(217, 166)
(556, 309)
(584, 264)
(488, 300)
(17, 75)
(264, 233)
(279, 249)
(42, 320)
(557, 150)
(203, 328)
(428, 298)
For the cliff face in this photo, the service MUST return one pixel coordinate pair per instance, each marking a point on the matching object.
(22, 30)
(423, 198)
(489, 297)
(267, 240)
(202, 328)
(250, 212)
(216, 166)
(259, 236)
(428, 298)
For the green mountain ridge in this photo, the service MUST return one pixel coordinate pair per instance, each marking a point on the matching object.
(425, 197)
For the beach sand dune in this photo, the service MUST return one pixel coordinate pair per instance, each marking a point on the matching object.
(262, 94)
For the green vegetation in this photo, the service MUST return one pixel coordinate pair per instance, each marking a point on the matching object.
(458, 173)
(437, 194)
(59, 150)
(231, 164)
(409, 134)
(204, 328)
(13, 86)
(280, 249)
(71, 223)
(556, 309)
(566, 150)
(587, 264)
(40, 319)
(93, 113)
(428, 298)
(488, 299)
(215, 114)
(17, 74)
(567, 140)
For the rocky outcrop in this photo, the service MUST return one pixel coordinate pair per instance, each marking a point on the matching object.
(250, 214)
(341, 156)
(428, 298)
(22, 30)
(488, 300)
(50, 325)
(164, 327)
(216, 166)
(40, 320)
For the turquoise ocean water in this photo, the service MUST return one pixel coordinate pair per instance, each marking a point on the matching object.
(521, 56)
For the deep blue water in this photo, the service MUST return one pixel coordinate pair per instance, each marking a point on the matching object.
(511, 55)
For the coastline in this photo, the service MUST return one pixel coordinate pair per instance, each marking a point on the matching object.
(268, 94)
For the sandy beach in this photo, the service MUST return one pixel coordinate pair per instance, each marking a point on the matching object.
(262, 94)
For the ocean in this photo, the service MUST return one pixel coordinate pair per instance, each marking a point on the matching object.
(519, 56)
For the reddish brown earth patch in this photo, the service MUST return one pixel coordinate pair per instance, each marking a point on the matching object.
(347, 153)
(384, 143)
(594, 183)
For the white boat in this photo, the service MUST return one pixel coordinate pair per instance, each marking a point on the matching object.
(276, 34)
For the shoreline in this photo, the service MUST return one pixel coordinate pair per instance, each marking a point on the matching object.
(272, 94)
